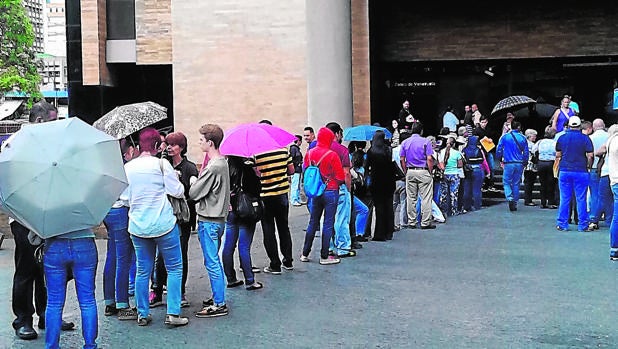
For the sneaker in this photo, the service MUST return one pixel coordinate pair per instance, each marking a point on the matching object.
(144, 321)
(110, 310)
(287, 267)
(304, 258)
(297, 204)
(613, 257)
(207, 303)
(329, 260)
(175, 320)
(593, 226)
(270, 270)
(213, 311)
(254, 269)
(127, 314)
(184, 303)
(156, 302)
(559, 228)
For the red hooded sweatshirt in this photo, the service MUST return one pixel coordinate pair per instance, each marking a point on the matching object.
(330, 167)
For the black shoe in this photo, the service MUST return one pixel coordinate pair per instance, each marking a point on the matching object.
(356, 245)
(235, 283)
(361, 238)
(431, 226)
(110, 310)
(66, 325)
(26, 332)
(512, 206)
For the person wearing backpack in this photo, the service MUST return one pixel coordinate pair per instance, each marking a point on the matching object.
(325, 200)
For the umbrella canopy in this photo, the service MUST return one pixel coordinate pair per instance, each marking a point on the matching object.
(363, 133)
(60, 176)
(250, 139)
(512, 101)
(127, 119)
(541, 110)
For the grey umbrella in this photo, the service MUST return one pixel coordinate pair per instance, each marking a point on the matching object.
(512, 101)
(127, 119)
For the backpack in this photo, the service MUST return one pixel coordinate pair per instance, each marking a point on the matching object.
(359, 185)
(312, 179)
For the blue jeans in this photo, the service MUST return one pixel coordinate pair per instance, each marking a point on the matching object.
(473, 197)
(295, 189)
(593, 198)
(239, 232)
(326, 202)
(511, 178)
(122, 267)
(80, 257)
(342, 242)
(568, 182)
(606, 202)
(613, 229)
(145, 251)
(210, 234)
(361, 211)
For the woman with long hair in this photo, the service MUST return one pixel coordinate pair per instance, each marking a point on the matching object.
(382, 186)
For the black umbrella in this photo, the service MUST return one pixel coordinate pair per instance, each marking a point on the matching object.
(127, 119)
(512, 101)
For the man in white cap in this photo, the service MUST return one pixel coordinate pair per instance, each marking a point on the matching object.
(574, 154)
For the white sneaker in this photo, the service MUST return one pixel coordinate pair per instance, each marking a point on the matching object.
(304, 258)
(330, 260)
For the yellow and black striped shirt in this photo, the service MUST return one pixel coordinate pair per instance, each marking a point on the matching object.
(273, 167)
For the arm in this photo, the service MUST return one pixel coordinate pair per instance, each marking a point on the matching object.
(590, 157)
(430, 163)
(402, 161)
(601, 151)
(554, 120)
(171, 182)
(202, 186)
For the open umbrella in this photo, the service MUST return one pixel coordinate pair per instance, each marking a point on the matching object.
(127, 119)
(246, 140)
(512, 101)
(363, 132)
(60, 176)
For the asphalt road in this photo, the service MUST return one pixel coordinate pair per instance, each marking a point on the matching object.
(487, 279)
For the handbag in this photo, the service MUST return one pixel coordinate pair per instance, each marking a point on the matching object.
(180, 207)
(397, 172)
(247, 207)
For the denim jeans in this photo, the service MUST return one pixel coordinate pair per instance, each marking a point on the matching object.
(210, 234)
(593, 197)
(327, 203)
(80, 257)
(117, 273)
(606, 202)
(342, 243)
(613, 229)
(295, 189)
(511, 178)
(276, 211)
(399, 199)
(473, 197)
(145, 250)
(570, 182)
(360, 211)
(240, 232)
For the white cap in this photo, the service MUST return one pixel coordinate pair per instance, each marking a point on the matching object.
(574, 121)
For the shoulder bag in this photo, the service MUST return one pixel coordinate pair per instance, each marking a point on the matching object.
(249, 208)
(179, 205)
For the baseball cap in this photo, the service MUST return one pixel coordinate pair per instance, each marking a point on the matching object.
(574, 121)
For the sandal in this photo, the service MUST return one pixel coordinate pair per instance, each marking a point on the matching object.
(255, 286)
(235, 284)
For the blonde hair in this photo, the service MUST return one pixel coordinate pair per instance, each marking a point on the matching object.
(530, 132)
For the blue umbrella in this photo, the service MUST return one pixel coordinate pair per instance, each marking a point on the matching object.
(363, 133)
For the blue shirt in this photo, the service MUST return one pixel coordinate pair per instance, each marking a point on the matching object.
(513, 147)
(574, 145)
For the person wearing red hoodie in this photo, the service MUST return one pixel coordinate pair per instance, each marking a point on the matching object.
(333, 175)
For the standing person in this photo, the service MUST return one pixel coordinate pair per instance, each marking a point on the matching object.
(468, 118)
(606, 200)
(332, 172)
(211, 192)
(512, 151)
(545, 151)
(507, 125)
(274, 168)
(476, 115)
(489, 150)
(562, 115)
(405, 117)
(416, 156)
(598, 137)
(152, 225)
(394, 129)
(450, 161)
(177, 151)
(449, 119)
(379, 165)
(574, 151)
(473, 182)
(309, 136)
(399, 196)
(239, 231)
(297, 161)
(29, 276)
(530, 169)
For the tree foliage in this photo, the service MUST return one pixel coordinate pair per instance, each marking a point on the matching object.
(18, 68)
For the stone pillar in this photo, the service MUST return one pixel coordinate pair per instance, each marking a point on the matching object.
(329, 62)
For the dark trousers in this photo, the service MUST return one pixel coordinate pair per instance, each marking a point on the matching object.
(548, 182)
(529, 179)
(28, 276)
(276, 211)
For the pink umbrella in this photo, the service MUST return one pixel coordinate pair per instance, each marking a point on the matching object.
(249, 139)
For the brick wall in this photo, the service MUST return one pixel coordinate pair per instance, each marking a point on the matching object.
(94, 34)
(153, 31)
(238, 61)
(360, 62)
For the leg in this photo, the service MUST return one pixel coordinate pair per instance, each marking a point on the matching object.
(342, 222)
(580, 186)
(84, 270)
(229, 247)
(317, 206)
(210, 234)
(411, 197)
(283, 228)
(425, 189)
(169, 246)
(145, 250)
(185, 234)
(613, 229)
(245, 239)
(330, 199)
(57, 256)
(566, 187)
(268, 229)
(109, 270)
(125, 256)
(361, 216)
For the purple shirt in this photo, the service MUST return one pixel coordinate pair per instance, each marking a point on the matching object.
(416, 149)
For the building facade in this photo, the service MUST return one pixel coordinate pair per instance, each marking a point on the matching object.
(307, 62)
(34, 11)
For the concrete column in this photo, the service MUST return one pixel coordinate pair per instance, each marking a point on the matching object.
(329, 62)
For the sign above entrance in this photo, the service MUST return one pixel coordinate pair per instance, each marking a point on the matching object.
(415, 84)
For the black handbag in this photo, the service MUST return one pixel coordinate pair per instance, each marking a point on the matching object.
(397, 172)
(248, 207)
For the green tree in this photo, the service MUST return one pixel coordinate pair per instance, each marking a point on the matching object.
(18, 67)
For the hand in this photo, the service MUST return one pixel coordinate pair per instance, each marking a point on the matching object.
(192, 180)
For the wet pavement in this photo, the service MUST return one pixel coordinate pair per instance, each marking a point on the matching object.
(486, 279)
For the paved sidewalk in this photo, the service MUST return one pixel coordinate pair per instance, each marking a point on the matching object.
(488, 279)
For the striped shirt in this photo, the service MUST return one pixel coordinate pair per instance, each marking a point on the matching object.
(273, 167)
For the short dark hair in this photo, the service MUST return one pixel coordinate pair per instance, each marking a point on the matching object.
(309, 128)
(417, 127)
(265, 121)
(515, 125)
(403, 136)
(335, 127)
(299, 137)
(41, 110)
(213, 133)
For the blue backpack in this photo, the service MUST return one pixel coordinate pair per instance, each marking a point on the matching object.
(312, 179)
